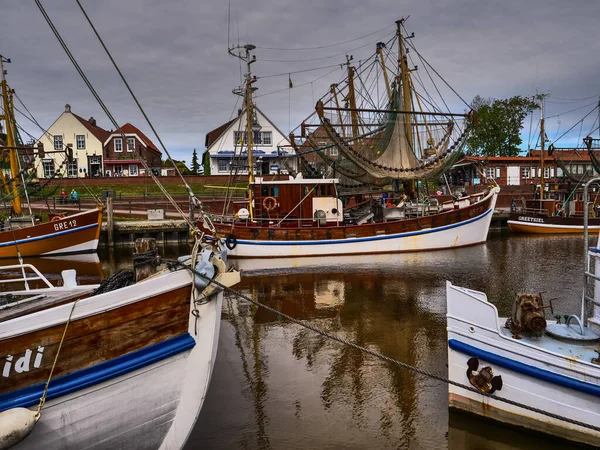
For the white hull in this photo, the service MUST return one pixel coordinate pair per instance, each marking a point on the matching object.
(534, 373)
(84, 247)
(470, 232)
(151, 405)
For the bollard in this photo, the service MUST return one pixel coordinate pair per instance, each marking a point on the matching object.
(110, 228)
(146, 267)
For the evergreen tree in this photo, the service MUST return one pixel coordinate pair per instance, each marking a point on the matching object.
(195, 164)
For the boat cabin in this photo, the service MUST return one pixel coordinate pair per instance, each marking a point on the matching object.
(297, 201)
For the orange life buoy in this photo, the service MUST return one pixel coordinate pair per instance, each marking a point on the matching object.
(56, 218)
(270, 203)
(558, 207)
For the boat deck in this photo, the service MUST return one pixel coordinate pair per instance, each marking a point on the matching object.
(583, 351)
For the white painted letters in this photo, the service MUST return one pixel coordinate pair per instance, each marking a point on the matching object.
(22, 364)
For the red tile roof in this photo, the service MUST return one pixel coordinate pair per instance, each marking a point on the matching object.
(213, 135)
(130, 129)
(100, 133)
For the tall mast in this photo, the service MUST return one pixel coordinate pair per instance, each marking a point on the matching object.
(404, 77)
(542, 146)
(352, 97)
(380, 47)
(10, 142)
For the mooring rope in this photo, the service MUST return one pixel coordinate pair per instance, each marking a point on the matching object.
(172, 264)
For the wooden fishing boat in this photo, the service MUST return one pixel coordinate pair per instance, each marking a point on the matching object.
(26, 235)
(127, 368)
(399, 143)
(525, 370)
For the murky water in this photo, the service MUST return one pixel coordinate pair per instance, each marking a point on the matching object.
(277, 385)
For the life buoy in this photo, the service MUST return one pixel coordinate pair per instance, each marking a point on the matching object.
(270, 203)
(558, 207)
(56, 218)
(231, 241)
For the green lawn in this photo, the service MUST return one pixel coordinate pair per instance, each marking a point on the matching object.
(127, 190)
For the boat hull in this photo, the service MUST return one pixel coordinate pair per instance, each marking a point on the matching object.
(133, 371)
(542, 378)
(77, 233)
(543, 224)
(449, 229)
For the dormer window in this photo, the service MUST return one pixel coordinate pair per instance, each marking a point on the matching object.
(130, 144)
(118, 145)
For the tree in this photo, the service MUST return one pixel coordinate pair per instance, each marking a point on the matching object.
(206, 162)
(195, 164)
(497, 125)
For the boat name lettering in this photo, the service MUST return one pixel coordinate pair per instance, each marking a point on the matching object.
(476, 211)
(23, 363)
(531, 219)
(65, 225)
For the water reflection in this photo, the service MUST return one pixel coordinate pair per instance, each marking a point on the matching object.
(287, 387)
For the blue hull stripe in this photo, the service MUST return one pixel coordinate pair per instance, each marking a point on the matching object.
(525, 369)
(367, 239)
(99, 373)
(47, 236)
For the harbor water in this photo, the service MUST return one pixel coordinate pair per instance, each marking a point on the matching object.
(277, 385)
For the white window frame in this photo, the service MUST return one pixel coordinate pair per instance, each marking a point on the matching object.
(118, 148)
(546, 172)
(72, 169)
(80, 139)
(48, 165)
(133, 170)
(118, 168)
(333, 151)
(525, 173)
(490, 173)
(58, 142)
(223, 165)
(130, 148)
(236, 138)
(266, 138)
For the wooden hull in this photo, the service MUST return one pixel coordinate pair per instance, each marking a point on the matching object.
(552, 376)
(541, 224)
(132, 372)
(455, 228)
(77, 233)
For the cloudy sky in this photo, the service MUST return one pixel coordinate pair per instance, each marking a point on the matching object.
(174, 54)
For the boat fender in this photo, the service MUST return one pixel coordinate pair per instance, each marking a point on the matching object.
(231, 241)
(205, 271)
(15, 425)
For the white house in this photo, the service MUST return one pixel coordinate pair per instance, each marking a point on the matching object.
(226, 146)
(84, 136)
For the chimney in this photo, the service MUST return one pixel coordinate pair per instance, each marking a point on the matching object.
(92, 121)
(239, 112)
(67, 108)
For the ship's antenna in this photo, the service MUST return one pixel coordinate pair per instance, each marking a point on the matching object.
(228, 24)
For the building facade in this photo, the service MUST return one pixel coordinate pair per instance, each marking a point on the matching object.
(124, 157)
(85, 138)
(226, 147)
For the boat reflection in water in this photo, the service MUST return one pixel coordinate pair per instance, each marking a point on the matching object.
(279, 385)
(88, 267)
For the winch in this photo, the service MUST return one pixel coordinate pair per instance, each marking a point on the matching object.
(528, 314)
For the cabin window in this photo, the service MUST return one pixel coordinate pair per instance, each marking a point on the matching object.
(130, 144)
(72, 169)
(264, 190)
(48, 165)
(80, 142)
(58, 142)
(118, 145)
(275, 191)
(305, 190)
(223, 165)
(525, 173)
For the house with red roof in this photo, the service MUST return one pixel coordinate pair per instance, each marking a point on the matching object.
(124, 151)
(86, 139)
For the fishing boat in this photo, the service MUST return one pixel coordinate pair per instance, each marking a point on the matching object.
(25, 235)
(526, 370)
(401, 144)
(86, 366)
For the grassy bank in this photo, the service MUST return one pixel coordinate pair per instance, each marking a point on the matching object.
(127, 190)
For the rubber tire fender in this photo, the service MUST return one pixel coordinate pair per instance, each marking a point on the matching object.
(231, 241)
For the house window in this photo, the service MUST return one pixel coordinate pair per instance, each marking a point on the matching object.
(546, 172)
(266, 138)
(72, 169)
(490, 172)
(525, 173)
(118, 145)
(80, 142)
(118, 170)
(258, 137)
(533, 172)
(130, 144)
(240, 138)
(58, 142)
(133, 170)
(48, 167)
(333, 151)
(223, 165)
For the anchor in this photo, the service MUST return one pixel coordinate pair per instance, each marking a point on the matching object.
(484, 380)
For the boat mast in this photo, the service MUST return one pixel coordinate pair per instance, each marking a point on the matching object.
(542, 145)
(380, 47)
(404, 77)
(352, 98)
(12, 184)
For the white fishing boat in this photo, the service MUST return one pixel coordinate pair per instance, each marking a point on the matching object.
(525, 370)
(127, 368)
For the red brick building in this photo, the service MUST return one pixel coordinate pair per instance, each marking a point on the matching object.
(123, 158)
